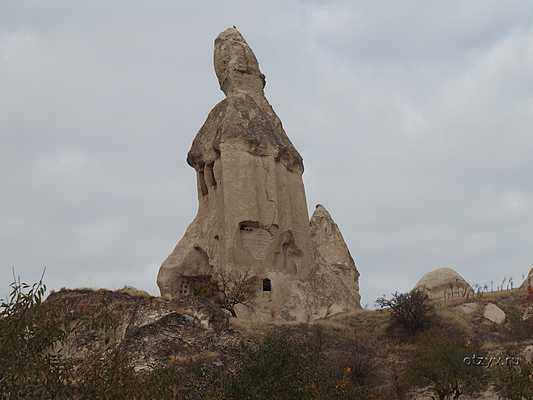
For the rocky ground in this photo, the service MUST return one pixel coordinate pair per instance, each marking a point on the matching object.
(159, 332)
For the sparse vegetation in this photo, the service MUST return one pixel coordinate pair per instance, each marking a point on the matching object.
(236, 288)
(439, 367)
(519, 328)
(411, 313)
(280, 367)
(288, 367)
(514, 382)
(302, 361)
(33, 366)
(30, 365)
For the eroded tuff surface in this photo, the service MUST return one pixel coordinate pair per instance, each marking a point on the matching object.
(443, 284)
(252, 213)
(335, 279)
(245, 113)
(528, 281)
(151, 330)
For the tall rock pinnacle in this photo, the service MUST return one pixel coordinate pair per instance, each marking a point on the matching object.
(236, 67)
(252, 212)
(245, 113)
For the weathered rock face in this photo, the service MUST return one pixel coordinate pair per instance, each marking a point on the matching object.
(334, 285)
(527, 353)
(151, 330)
(528, 281)
(494, 313)
(444, 284)
(252, 214)
(245, 113)
(468, 308)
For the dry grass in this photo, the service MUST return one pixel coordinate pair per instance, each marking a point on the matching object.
(374, 321)
(457, 319)
(204, 356)
(134, 292)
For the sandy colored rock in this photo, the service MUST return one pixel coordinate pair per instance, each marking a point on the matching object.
(244, 118)
(528, 313)
(334, 286)
(528, 281)
(252, 211)
(152, 330)
(133, 291)
(443, 284)
(494, 313)
(468, 308)
(527, 353)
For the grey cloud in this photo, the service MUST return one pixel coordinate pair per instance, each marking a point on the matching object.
(413, 119)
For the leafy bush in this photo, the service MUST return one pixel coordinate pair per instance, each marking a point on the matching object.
(514, 382)
(438, 366)
(411, 313)
(279, 368)
(30, 367)
(285, 367)
(108, 377)
(112, 376)
(518, 328)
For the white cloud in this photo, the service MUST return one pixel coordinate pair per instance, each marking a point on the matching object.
(64, 163)
(515, 202)
(414, 121)
(15, 46)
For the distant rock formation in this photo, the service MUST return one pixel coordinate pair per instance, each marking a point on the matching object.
(252, 214)
(335, 279)
(528, 282)
(443, 284)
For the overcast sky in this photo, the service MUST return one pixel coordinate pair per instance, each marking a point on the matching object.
(414, 119)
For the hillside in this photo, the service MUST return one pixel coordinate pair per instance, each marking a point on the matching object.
(197, 347)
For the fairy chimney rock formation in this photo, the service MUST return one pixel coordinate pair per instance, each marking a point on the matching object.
(252, 211)
(336, 275)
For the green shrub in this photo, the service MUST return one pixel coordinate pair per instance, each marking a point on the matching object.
(518, 328)
(286, 367)
(112, 376)
(33, 367)
(30, 367)
(279, 368)
(411, 313)
(514, 382)
(439, 366)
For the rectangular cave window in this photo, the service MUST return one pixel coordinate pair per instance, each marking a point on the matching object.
(267, 285)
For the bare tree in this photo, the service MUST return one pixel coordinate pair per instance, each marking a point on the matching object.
(236, 288)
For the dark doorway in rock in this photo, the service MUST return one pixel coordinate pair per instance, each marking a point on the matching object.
(267, 285)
